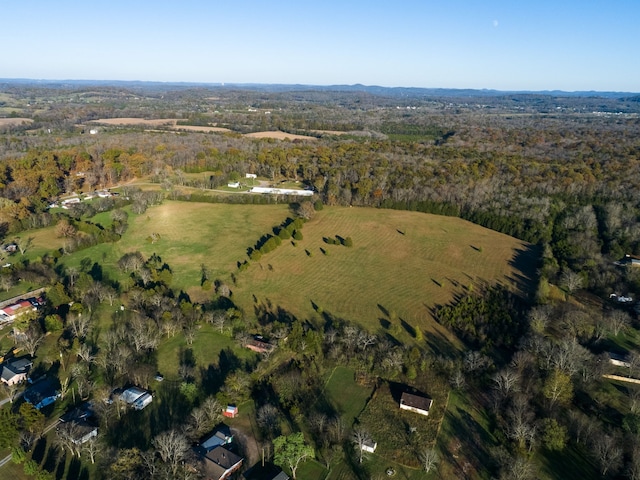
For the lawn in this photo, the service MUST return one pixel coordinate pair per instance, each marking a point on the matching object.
(206, 349)
(348, 397)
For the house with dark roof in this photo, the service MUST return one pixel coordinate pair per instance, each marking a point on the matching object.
(79, 424)
(15, 370)
(41, 394)
(415, 403)
(268, 471)
(220, 463)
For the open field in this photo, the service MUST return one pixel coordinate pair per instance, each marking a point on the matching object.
(279, 136)
(197, 128)
(402, 262)
(191, 234)
(7, 122)
(159, 122)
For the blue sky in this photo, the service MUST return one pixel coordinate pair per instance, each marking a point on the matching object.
(497, 44)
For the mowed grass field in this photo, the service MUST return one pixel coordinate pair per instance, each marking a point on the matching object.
(401, 264)
(191, 235)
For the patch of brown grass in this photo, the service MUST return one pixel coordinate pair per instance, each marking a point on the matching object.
(279, 136)
(8, 122)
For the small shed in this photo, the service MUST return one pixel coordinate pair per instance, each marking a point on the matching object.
(415, 403)
(231, 411)
(369, 446)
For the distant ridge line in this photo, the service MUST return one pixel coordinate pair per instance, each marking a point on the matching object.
(277, 87)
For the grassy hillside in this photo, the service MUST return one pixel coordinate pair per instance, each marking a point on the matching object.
(402, 262)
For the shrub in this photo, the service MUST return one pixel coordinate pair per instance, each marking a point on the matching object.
(207, 285)
(53, 323)
(318, 205)
(348, 242)
(284, 234)
(297, 235)
(255, 255)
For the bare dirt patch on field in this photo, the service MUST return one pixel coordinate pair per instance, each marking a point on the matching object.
(279, 136)
(9, 122)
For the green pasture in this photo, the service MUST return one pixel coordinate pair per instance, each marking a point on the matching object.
(191, 235)
(401, 265)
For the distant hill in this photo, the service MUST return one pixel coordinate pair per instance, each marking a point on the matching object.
(403, 92)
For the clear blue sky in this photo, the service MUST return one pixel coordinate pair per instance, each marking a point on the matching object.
(498, 44)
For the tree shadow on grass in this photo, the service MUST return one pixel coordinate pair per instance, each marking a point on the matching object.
(61, 467)
(51, 459)
(469, 442)
(441, 346)
(525, 262)
(39, 450)
(408, 328)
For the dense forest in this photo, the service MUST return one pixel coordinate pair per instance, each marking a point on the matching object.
(558, 172)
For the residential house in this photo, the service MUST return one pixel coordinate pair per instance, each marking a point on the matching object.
(259, 345)
(41, 394)
(15, 370)
(220, 463)
(632, 260)
(221, 436)
(137, 398)
(78, 424)
(415, 403)
(13, 311)
(267, 471)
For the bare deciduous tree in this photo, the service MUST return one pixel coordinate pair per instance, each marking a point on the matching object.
(607, 452)
(172, 446)
(429, 459)
(617, 321)
(361, 438)
(30, 339)
(571, 280)
(506, 381)
(268, 418)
